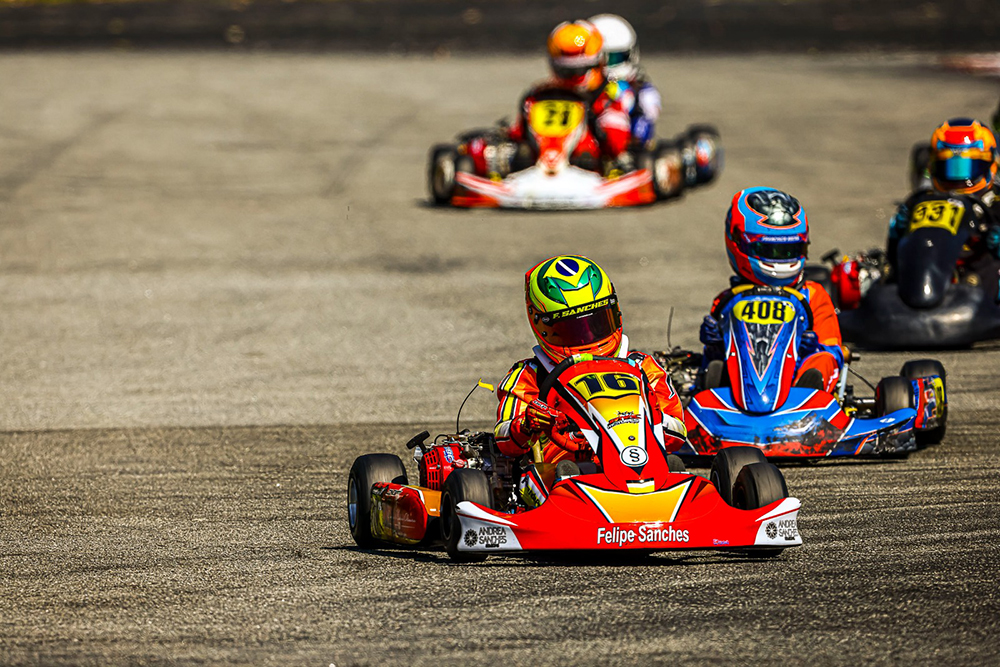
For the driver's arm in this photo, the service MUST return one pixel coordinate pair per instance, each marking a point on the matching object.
(518, 388)
(825, 322)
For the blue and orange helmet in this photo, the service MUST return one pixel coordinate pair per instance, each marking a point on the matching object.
(767, 237)
(964, 156)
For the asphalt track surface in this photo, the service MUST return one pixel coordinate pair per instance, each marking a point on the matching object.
(221, 283)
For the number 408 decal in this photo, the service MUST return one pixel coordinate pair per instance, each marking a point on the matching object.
(764, 311)
(605, 385)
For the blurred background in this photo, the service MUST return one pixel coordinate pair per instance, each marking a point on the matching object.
(442, 26)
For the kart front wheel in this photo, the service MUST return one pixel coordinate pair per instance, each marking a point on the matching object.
(441, 173)
(461, 485)
(891, 394)
(920, 368)
(727, 465)
(758, 485)
(367, 471)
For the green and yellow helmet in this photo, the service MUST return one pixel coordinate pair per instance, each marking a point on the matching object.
(572, 307)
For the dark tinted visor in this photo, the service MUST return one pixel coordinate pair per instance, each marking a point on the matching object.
(576, 326)
(960, 169)
(777, 251)
(576, 72)
(618, 58)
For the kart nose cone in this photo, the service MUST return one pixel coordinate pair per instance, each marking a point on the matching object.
(926, 292)
(926, 263)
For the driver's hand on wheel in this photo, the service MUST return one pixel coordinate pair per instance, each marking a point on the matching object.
(710, 333)
(536, 418)
(808, 343)
(539, 417)
(570, 440)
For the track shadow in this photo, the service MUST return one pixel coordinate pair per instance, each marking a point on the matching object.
(567, 559)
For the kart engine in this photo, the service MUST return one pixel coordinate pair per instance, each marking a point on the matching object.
(477, 451)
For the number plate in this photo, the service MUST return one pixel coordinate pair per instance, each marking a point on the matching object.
(938, 213)
(605, 385)
(764, 311)
(555, 118)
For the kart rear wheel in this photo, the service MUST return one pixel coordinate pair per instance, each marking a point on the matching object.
(441, 173)
(759, 485)
(706, 139)
(668, 170)
(891, 394)
(727, 465)
(367, 471)
(461, 485)
(919, 368)
(822, 275)
(920, 158)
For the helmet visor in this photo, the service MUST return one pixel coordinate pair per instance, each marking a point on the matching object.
(960, 169)
(571, 72)
(618, 57)
(581, 325)
(777, 252)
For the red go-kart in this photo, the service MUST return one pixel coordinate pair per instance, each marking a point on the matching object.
(625, 492)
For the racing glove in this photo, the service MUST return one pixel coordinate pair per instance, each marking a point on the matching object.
(993, 242)
(899, 223)
(565, 435)
(642, 130)
(536, 418)
(710, 333)
(809, 344)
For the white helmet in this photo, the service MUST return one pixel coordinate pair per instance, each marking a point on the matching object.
(619, 45)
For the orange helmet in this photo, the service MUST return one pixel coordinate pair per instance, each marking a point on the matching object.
(575, 55)
(964, 156)
(572, 308)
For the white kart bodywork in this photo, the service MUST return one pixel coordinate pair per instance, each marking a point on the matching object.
(568, 188)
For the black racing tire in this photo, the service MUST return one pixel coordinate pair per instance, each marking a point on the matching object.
(920, 158)
(891, 394)
(726, 467)
(696, 133)
(715, 374)
(367, 471)
(919, 368)
(668, 170)
(675, 463)
(462, 485)
(759, 485)
(441, 173)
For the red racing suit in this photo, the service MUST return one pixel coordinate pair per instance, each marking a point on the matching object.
(830, 357)
(609, 123)
(520, 386)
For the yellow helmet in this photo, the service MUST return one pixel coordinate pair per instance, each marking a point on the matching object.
(572, 307)
(576, 56)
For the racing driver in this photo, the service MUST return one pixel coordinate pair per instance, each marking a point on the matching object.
(622, 66)
(577, 62)
(767, 238)
(572, 309)
(965, 165)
